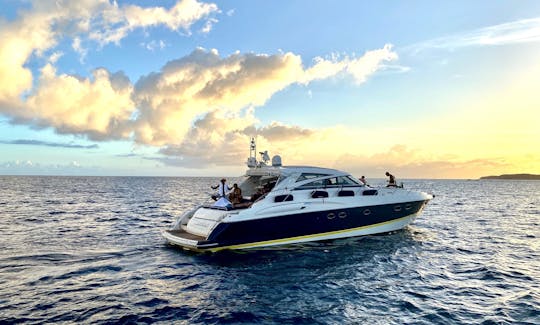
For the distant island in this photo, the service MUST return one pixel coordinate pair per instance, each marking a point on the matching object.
(514, 176)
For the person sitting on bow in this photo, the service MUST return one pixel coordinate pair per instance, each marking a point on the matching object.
(236, 195)
(363, 180)
(391, 180)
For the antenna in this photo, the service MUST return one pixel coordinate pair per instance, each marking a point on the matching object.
(252, 160)
(252, 148)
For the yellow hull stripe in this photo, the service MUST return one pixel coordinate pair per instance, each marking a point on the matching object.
(282, 240)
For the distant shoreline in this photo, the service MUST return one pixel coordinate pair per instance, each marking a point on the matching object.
(514, 176)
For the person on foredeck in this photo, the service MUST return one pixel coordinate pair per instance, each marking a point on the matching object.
(391, 180)
(223, 188)
(363, 181)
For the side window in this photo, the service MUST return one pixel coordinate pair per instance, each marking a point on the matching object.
(345, 180)
(306, 176)
(318, 183)
(331, 181)
(339, 181)
(327, 182)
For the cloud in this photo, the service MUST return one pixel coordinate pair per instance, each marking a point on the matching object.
(128, 155)
(99, 107)
(360, 68)
(19, 40)
(154, 45)
(406, 162)
(191, 99)
(116, 22)
(276, 131)
(164, 108)
(50, 144)
(28, 167)
(519, 31)
(209, 25)
(39, 29)
(168, 101)
(222, 89)
(216, 139)
(77, 47)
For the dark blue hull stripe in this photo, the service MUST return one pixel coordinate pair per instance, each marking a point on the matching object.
(307, 224)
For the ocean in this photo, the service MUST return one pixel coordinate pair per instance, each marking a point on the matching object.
(89, 250)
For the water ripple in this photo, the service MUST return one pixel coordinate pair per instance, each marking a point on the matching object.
(89, 250)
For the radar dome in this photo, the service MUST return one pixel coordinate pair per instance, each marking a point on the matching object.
(276, 161)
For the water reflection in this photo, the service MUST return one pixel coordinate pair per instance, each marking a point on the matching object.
(90, 250)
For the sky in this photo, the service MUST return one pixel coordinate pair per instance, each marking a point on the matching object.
(422, 89)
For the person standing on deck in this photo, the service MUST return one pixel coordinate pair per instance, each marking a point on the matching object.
(222, 188)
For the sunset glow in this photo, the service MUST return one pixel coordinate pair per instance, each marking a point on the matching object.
(177, 88)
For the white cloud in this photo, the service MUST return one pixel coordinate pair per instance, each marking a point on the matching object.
(116, 22)
(38, 29)
(99, 107)
(170, 100)
(20, 39)
(193, 104)
(154, 45)
(209, 25)
(28, 167)
(161, 108)
(519, 31)
(77, 47)
(360, 68)
(55, 56)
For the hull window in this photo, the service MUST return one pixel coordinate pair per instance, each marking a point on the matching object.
(283, 198)
(319, 194)
(342, 215)
(408, 207)
(331, 216)
(397, 208)
(370, 192)
(367, 212)
(345, 193)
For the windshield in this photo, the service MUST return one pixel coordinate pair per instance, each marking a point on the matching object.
(254, 184)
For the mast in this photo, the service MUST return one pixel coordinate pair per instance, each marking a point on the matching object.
(252, 160)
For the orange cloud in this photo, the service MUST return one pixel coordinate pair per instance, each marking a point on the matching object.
(99, 107)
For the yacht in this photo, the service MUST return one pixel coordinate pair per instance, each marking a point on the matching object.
(293, 204)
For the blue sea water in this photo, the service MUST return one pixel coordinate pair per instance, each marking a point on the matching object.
(89, 250)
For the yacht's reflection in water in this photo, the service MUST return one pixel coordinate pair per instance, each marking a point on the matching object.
(300, 281)
(356, 248)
